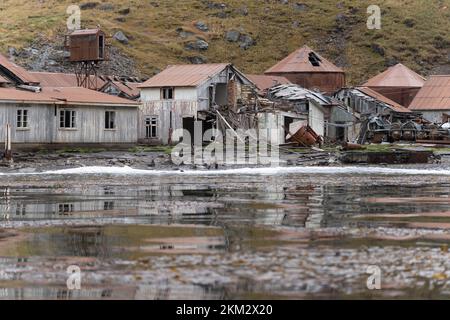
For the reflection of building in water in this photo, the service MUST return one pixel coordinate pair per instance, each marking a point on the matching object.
(163, 200)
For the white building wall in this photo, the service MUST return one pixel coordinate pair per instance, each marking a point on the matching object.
(316, 119)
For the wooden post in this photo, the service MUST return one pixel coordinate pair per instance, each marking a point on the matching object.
(8, 152)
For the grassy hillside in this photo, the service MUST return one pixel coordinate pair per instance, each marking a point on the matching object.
(414, 32)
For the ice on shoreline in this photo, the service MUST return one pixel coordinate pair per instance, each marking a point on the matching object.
(96, 170)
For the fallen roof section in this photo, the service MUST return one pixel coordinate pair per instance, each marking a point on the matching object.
(304, 60)
(265, 82)
(397, 76)
(15, 72)
(377, 96)
(434, 95)
(293, 92)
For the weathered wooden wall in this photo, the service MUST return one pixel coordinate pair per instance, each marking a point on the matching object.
(170, 114)
(43, 123)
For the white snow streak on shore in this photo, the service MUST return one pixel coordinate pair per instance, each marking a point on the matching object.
(241, 171)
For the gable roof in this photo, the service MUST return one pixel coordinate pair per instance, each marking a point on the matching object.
(434, 95)
(265, 82)
(15, 72)
(397, 76)
(188, 75)
(299, 61)
(63, 96)
(375, 95)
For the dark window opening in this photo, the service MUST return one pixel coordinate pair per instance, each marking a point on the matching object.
(101, 47)
(110, 120)
(167, 93)
(65, 209)
(151, 127)
(108, 205)
(314, 59)
(22, 118)
(67, 119)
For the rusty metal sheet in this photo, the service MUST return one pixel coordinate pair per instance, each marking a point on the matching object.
(298, 62)
(17, 71)
(394, 105)
(265, 82)
(434, 95)
(397, 76)
(184, 75)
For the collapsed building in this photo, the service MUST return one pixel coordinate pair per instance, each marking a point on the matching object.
(381, 119)
(296, 107)
(182, 94)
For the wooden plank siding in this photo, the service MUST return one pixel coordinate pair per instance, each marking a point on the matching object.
(43, 124)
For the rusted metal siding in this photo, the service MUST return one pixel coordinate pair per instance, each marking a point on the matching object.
(43, 123)
(324, 81)
(85, 46)
(170, 117)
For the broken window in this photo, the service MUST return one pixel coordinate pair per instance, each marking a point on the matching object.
(151, 127)
(110, 120)
(67, 119)
(314, 59)
(22, 118)
(167, 93)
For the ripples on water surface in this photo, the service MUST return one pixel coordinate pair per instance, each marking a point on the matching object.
(265, 234)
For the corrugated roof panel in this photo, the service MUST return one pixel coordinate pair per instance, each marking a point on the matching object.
(19, 72)
(298, 62)
(51, 79)
(434, 95)
(264, 82)
(397, 76)
(184, 75)
(64, 95)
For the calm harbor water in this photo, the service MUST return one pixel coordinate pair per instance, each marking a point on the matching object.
(242, 234)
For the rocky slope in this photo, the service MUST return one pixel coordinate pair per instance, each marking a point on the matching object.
(253, 34)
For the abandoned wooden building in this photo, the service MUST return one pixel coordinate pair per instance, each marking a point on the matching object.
(398, 83)
(61, 115)
(310, 70)
(433, 100)
(181, 94)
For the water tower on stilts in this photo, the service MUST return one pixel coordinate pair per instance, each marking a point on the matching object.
(87, 50)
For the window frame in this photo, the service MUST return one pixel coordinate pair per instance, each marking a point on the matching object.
(151, 122)
(22, 116)
(114, 120)
(63, 121)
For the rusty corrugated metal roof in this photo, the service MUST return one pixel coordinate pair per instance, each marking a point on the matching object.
(397, 76)
(189, 75)
(264, 82)
(3, 80)
(17, 71)
(51, 79)
(434, 95)
(394, 105)
(298, 62)
(64, 95)
(84, 32)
